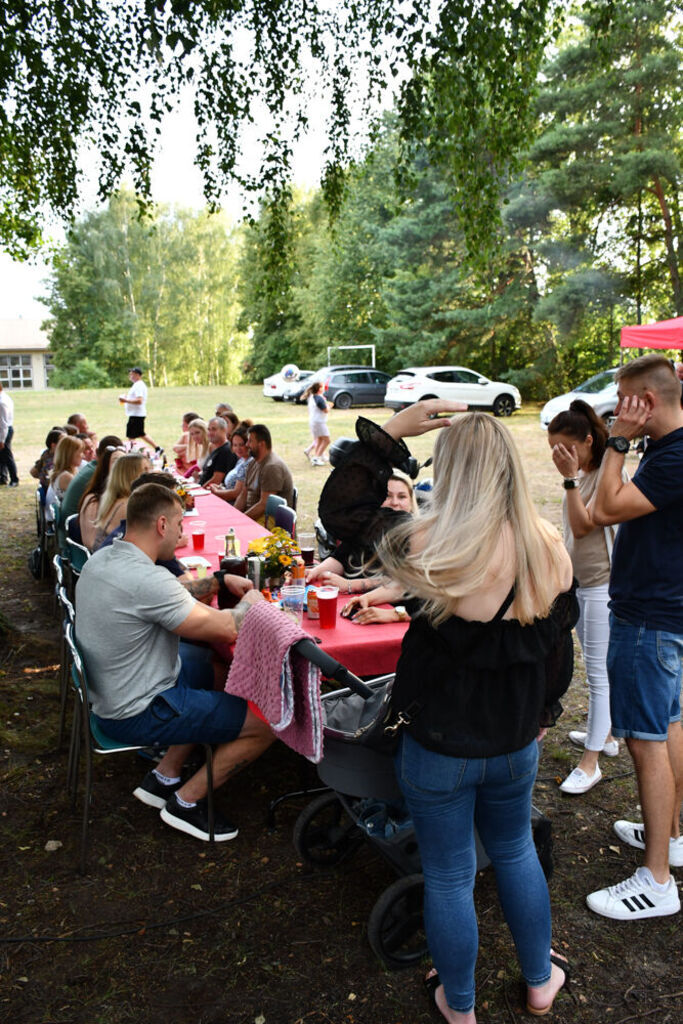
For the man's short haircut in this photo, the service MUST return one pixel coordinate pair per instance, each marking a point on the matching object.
(224, 405)
(75, 417)
(70, 429)
(261, 433)
(220, 422)
(653, 373)
(189, 416)
(147, 503)
(109, 441)
(154, 477)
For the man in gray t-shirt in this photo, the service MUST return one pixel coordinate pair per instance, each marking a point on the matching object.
(145, 687)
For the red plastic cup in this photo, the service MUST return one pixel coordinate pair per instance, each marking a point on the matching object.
(198, 536)
(327, 606)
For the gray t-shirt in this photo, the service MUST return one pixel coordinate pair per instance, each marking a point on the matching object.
(125, 608)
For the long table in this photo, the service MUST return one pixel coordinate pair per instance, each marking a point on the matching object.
(365, 650)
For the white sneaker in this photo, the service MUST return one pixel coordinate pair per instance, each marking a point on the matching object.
(579, 781)
(315, 461)
(635, 898)
(611, 748)
(633, 833)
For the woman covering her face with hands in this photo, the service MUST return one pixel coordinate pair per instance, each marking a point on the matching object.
(577, 438)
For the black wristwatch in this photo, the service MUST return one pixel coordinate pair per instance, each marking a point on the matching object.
(569, 483)
(620, 444)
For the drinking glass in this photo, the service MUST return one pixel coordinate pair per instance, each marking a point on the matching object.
(292, 598)
(327, 606)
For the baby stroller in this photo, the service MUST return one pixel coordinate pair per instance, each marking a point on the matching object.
(365, 804)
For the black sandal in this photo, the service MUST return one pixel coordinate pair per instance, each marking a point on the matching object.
(563, 964)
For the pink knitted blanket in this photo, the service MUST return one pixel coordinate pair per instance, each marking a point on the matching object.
(283, 685)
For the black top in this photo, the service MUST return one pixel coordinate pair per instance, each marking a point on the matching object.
(472, 689)
(222, 460)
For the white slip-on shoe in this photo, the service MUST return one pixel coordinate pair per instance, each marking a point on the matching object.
(635, 898)
(580, 782)
(611, 748)
(633, 833)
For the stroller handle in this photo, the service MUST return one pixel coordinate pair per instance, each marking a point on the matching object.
(331, 668)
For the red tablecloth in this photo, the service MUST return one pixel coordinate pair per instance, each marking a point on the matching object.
(365, 650)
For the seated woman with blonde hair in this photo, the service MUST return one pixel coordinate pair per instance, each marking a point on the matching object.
(67, 462)
(114, 501)
(182, 462)
(197, 446)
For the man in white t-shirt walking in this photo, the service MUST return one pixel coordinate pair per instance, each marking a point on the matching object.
(8, 469)
(135, 403)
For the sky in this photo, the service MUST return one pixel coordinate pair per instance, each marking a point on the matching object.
(175, 179)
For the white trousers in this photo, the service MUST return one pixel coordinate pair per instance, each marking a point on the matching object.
(593, 633)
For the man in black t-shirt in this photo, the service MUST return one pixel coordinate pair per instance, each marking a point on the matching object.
(221, 458)
(645, 653)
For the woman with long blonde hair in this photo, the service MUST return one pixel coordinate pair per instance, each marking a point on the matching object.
(197, 445)
(487, 584)
(114, 501)
(66, 464)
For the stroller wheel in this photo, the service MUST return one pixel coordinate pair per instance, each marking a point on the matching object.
(396, 926)
(324, 833)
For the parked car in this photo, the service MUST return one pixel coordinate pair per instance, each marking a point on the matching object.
(276, 385)
(345, 386)
(600, 391)
(454, 382)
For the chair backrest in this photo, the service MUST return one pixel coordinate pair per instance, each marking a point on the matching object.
(59, 572)
(73, 528)
(78, 554)
(273, 502)
(295, 497)
(68, 610)
(285, 517)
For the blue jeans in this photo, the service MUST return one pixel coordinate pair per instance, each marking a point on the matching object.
(447, 797)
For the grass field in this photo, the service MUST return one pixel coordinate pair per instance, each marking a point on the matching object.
(36, 412)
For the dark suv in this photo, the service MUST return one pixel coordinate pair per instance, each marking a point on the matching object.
(345, 386)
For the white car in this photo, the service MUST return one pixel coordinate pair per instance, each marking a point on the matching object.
(454, 382)
(276, 386)
(599, 391)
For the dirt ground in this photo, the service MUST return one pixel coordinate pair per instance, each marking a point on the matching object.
(166, 929)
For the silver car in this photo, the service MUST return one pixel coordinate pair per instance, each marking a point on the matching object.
(599, 391)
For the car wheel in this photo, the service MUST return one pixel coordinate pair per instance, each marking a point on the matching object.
(277, 398)
(504, 405)
(343, 400)
(427, 398)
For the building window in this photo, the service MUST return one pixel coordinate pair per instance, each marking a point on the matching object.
(49, 367)
(15, 371)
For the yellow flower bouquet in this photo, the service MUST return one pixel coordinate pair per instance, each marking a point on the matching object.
(277, 551)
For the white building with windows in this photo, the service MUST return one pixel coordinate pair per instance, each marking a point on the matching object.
(25, 360)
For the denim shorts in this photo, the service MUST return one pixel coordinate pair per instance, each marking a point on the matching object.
(645, 669)
(189, 712)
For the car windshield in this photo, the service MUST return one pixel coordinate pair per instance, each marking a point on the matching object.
(596, 383)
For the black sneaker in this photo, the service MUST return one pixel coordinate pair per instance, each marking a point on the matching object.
(153, 792)
(194, 821)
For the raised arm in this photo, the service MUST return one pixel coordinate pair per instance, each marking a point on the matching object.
(616, 501)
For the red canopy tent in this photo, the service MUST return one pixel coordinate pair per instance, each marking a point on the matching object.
(665, 334)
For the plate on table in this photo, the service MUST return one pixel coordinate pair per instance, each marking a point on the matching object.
(193, 561)
(190, 512)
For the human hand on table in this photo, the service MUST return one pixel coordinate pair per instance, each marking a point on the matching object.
(421, 417)
(239, 586)
(366, 616)
(356, 605)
